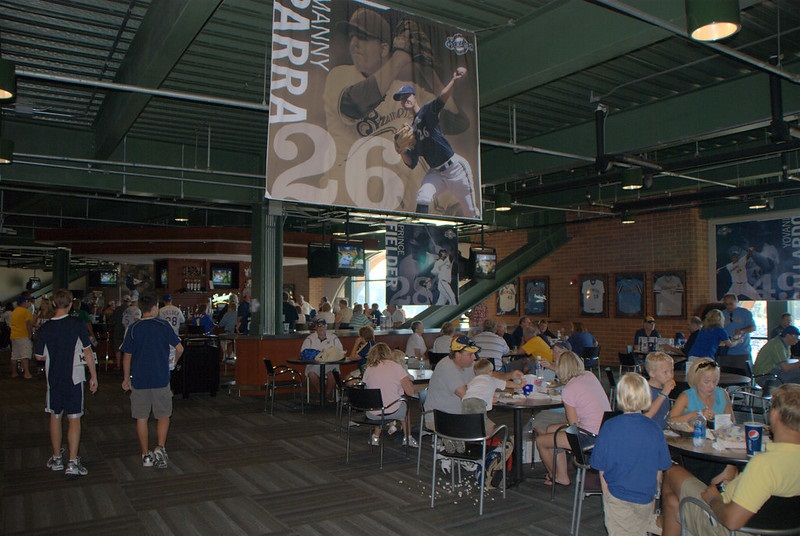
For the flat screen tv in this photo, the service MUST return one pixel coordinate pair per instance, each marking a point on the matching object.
(162, 278)
(108, 278)
(482, 263)
(224, 274)
(34, 283)
(349, 258)
(103, 278)
(320, 260)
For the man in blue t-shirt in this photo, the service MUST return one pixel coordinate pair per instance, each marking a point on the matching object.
(58, 342)
(147, 350)
(739, 324)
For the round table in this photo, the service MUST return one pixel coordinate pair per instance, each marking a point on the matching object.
(726, 379)
(518, 405)
(685, 447)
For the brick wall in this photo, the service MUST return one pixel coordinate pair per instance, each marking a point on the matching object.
(670, 241)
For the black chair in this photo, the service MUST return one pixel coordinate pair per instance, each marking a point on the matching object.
(470, 429)
(744, 400)
(282, 377)
(341, 393)
(587, 480)
(591, 358)
(628, 362)
(779, 516)
(423, 428)
(361, 400)
(612, 387)
(435, 357)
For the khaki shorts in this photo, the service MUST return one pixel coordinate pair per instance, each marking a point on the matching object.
(697, 521)
(21, 349)
(625, 518)
(158, 400)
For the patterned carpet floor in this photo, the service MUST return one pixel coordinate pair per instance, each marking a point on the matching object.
(235, 469)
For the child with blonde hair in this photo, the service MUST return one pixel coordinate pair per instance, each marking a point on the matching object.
(630, 477)
(661, 369)
(480, 394)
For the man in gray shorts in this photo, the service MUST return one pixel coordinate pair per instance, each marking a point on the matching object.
(147, 350)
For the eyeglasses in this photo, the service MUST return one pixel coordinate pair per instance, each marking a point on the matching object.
(707, 364)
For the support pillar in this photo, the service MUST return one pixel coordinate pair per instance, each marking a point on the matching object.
(267, 268)
(61, 268)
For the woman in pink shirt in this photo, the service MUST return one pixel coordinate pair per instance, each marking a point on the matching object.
(585, 402)
(393, 380)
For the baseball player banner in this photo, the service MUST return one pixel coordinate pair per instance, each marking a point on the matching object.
(374, 109)
(421, 264)
(759, 260)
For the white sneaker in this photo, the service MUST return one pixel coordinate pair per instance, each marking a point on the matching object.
(147, 460)
(161, 458)
(392, 427)
(75, 468)
(411, 442)
(56, 463)
(375, 440)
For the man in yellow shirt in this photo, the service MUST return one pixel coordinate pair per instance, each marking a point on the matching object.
(774, 472)
(21, 335)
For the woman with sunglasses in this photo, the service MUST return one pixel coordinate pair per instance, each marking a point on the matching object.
(706, 397)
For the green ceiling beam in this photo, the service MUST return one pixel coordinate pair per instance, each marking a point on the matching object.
(164, 35)
(531, 53)
(729, 107)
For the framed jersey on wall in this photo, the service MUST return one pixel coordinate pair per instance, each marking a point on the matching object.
(507, 303)
(536, 292)
(629, 294)
(593, 295)
(669, 294)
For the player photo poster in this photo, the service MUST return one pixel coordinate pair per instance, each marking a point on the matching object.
(758, 260)
(421, 264)
(507, 299)
(345, 78)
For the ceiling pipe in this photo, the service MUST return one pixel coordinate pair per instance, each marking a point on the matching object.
(532, 149)
(181, 95)
(601, 162)
(681, 32)
(693, 198)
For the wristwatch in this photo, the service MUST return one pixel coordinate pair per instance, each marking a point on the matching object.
(721, 487)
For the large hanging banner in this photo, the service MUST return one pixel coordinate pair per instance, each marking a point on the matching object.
(346, 77)
(759, 260)
(421, 264)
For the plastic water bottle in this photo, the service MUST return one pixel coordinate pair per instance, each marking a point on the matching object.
(539, 368)
(699, 429)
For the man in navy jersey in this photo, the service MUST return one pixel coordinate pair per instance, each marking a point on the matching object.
(146, 351)
(58, 342)
(447, 170)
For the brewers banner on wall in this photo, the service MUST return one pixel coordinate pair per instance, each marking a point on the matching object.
(421, 264)
(759, 260)
(345, 79)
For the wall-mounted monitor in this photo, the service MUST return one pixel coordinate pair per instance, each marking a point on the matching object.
(320, 260)
(161, 274)
(34, 283)
(349, 258)
(482, 263)
(224, 274)
(104, 278)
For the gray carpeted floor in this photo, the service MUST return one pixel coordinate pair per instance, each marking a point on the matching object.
(237, 470)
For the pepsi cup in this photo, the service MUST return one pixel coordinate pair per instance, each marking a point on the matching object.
(527, 389)
(753, 434)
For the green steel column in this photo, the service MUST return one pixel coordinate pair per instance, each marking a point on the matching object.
(267, 268)
(61, 268)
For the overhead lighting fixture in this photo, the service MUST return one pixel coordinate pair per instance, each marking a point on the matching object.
(712, 20)
(182, 215)
(338, 229)
(6, 151)
(627, 218)
(502, 202)
(8, 80)
(757, 204)
(632, 178)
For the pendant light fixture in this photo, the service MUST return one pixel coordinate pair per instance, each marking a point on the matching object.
(712, 20)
